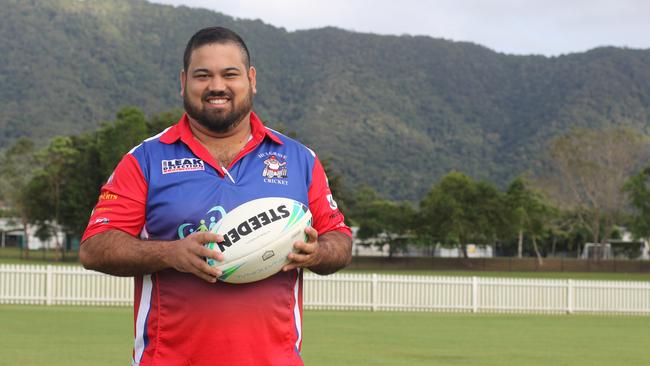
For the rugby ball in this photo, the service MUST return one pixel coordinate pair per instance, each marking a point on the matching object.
(258, 236)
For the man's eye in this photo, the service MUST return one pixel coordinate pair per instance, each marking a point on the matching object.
(231, 75)
(201, 76)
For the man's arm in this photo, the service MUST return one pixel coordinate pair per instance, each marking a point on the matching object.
(118, 253)
(323, 254)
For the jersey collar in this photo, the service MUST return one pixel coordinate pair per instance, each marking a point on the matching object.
(181, 131)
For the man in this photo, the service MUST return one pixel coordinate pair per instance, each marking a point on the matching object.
(215, 155)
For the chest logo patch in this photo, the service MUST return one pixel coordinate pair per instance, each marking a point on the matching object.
(275, 169)
(182, 165)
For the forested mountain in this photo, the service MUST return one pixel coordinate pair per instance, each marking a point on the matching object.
(392, 112)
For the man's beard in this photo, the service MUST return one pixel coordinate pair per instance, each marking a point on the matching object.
(219, 121)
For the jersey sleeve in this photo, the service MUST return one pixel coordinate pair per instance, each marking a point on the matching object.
(325, 213)
(122, 201)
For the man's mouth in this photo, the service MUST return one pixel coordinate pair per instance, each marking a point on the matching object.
(217, 101)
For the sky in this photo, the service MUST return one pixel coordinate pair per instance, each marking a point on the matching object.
(524, 27)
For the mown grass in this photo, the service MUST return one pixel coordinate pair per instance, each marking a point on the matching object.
(358, 338)
(53, 336)
(604, 276)
(38, 257)
(14, 255)
(39, 335)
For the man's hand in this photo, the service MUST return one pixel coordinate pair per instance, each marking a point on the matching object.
(118, 253)
(324, 254)
(188, 255)
(308, 254)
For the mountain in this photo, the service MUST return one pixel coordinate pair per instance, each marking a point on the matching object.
(393, 112)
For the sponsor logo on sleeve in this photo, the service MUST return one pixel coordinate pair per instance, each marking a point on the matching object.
(108, 196)
(330, 200)
(182, 165)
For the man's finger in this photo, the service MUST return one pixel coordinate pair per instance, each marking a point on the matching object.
(298, 258)
(210, 253)
(289, 267)
(304, 247)
(204, 237)
(205, 276)
(204, 271)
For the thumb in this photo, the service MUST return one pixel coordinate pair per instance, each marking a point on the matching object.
(312, 234)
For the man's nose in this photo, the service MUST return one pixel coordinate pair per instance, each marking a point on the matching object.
(217, 83)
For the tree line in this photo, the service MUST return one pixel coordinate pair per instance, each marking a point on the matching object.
(590, 186)
(591, 183)
(56, 186)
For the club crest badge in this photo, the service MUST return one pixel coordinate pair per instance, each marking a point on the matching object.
(274, 168)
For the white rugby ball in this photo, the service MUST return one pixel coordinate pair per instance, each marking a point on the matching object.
(258, 236)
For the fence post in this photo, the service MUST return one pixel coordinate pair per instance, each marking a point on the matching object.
(569, 297)
(375, 295)
(474, 294)
(49, 283)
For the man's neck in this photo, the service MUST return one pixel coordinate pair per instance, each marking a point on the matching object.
(225, 146)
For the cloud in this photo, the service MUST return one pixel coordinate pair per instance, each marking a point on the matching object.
(549, 27)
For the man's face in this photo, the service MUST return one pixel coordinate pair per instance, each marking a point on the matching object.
(217, 87)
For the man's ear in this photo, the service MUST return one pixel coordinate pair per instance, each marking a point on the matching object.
(251, 77)
(183, 77)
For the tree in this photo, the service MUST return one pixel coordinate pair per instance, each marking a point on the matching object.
(637, 189)
(16, 170)
(117, 138)
(586, 172)
(84, 178)
(563, 226)
(70, 171)
(459, 210)
(382, 221)
(337, 186)
(97, 155)
(528, 213)
(160, 121)
(43, 195)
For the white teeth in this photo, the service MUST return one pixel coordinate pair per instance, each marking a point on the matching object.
(217, 101)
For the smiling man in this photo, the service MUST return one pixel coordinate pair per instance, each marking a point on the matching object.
(216, 155)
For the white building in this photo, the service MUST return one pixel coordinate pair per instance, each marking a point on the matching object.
(473, 251)
(369, 249)
(625, 248)
(12, 235)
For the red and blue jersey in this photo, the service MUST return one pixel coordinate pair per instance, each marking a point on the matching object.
(170, 186)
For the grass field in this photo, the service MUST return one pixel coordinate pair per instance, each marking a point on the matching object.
(37, 258)
(13, 255)
(603, 276)
(53, 336)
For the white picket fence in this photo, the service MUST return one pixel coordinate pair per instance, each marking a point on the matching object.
(72, 285)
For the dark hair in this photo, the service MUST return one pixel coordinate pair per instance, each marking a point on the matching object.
(215, 35)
